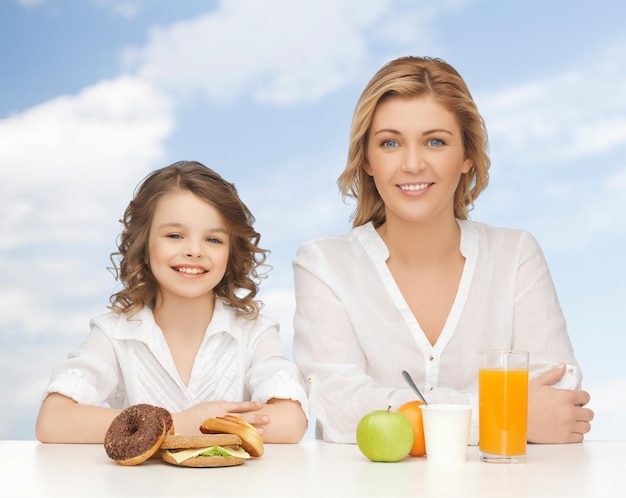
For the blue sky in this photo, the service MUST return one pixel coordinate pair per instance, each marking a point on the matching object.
(95, 94)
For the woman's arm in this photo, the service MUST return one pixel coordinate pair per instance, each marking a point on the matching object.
(285, 421)
(556, 415)
(331, 357)
(555, 397)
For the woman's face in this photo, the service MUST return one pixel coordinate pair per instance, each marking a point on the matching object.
(188, 247)
(416, 157)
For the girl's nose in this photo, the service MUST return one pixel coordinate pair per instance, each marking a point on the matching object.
(193, 249)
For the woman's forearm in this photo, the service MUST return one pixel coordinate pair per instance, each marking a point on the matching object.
(287, 424)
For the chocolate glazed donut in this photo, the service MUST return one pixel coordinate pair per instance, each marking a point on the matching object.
(137, 433)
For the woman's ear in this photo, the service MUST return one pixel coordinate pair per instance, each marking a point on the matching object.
(467, 165)
(367, 168)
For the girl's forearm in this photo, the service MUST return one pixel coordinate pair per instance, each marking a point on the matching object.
(62, 420)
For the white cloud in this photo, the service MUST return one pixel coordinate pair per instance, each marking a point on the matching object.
(277, 51)
(75, 160)
(70, 156)
(572, 115)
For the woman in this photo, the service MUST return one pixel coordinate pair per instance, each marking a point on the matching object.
(417, 286)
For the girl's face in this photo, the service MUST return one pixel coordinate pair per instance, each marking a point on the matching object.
(188, 247)
(416, 158)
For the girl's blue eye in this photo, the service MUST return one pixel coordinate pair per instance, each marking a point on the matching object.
(214, 240)
(174, 236)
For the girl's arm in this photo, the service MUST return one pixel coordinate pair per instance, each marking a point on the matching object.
(63, 420)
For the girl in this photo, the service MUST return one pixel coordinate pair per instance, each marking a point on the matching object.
(185, 332)
(416, 286)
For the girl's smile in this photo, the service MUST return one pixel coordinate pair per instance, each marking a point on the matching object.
(192, 271)
(188, 247)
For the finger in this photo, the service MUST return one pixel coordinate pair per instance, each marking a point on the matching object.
(581, 427)
(258, 419)
(581, 398)
(244, 406)
(576, 437)
(551, 376)
(585, 415)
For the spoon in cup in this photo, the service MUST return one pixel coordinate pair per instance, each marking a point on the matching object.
(412, 385)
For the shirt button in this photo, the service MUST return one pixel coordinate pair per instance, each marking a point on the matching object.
(431, 357)
(309, 380)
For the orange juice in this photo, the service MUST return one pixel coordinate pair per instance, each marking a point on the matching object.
(503, 410)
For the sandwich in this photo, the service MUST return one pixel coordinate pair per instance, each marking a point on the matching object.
(251, 440)
(203, 450)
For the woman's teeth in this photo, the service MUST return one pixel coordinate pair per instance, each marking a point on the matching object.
(421, 186)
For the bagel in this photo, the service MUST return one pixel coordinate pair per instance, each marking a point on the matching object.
(251, 440)
(137, 433)
(203, 450)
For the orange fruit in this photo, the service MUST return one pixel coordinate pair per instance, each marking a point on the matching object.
(413, 412)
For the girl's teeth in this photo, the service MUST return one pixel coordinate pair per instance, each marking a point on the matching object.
(194, 271)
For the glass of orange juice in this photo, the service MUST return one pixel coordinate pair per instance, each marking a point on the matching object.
(502, 406)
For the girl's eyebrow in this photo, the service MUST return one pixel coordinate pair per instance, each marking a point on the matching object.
(173, 224)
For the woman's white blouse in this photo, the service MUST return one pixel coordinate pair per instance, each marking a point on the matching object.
(354, 332)
(125, 361)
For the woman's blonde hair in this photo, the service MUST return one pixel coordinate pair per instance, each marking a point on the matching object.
(240, 283)
(415, 77)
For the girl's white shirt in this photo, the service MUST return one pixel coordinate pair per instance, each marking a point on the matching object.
(354, 332)
(126, 361)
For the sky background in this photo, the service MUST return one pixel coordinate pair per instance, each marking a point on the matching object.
(94, 94)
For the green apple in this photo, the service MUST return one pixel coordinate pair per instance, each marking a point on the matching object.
(385, 436)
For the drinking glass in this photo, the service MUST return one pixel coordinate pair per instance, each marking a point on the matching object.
(502, 406)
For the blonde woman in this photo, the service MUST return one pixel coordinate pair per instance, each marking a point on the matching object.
(417, 286)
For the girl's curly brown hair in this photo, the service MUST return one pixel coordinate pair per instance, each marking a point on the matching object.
(415, 77)
(130, 263)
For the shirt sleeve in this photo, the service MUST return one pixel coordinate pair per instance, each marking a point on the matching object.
(538, 322)
(90, 374)
(270, 373)
(331, 357)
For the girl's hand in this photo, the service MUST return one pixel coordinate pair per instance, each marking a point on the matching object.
(556, 415)
(190, 420)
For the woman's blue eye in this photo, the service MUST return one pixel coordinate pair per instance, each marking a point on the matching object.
(435, 142)
(389, 144)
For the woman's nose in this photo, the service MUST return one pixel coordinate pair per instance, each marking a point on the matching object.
(413, 160)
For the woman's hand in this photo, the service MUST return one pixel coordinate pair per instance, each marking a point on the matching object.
(556, 415)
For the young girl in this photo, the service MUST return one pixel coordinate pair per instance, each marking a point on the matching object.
(185, 332)
(415, 285)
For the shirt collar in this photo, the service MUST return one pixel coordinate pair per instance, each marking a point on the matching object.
(375, 246)
(142, 327)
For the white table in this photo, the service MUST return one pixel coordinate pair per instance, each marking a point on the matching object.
(315, 469)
